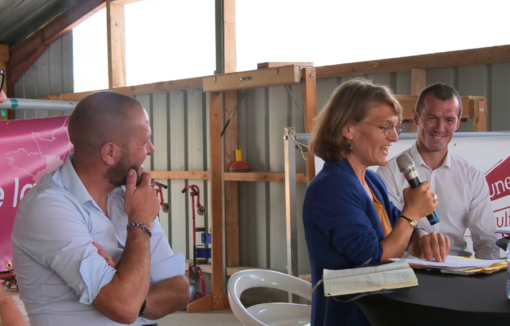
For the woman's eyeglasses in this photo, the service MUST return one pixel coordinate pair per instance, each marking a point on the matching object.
(390, 126)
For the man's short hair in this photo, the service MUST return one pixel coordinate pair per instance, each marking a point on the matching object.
(440, 91)
(101, 117)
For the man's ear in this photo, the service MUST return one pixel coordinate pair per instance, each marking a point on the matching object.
(110, 153)
(416, 118)
(458, 124)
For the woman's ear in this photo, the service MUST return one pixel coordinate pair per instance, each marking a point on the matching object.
(348, 131)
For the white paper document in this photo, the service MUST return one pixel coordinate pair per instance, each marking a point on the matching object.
(368, 279)
(452, 263)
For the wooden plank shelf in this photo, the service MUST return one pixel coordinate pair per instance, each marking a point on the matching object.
(252, 79)
(206, 268)
(187, 175)
(261, 176)
(227, 176)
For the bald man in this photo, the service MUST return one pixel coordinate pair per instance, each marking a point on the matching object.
(99, 204)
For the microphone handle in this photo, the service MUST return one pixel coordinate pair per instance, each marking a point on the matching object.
(432, 217)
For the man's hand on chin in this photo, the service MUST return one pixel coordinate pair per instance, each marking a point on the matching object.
(3, 98)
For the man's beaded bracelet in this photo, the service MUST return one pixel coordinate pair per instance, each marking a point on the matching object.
(141, 226)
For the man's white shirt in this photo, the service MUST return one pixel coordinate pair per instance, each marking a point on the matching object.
(463, 201)
(59, 271)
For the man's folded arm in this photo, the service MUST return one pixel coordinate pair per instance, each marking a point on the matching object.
(122, 298)
(167, 296)
(169, 291)
(57, 236)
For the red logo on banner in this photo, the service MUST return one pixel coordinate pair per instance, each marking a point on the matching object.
(30, 149)
(498, 179)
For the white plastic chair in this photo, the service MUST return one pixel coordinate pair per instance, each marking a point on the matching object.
(281, 314)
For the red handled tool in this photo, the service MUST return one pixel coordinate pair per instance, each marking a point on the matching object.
(165, 207)
(196, 278)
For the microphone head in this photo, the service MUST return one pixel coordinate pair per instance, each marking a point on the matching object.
(404, 162)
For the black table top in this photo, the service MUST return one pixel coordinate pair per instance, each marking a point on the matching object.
(474, 293)
(443, 299)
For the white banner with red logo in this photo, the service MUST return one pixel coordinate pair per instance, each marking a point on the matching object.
(29, 149)
(489, 152)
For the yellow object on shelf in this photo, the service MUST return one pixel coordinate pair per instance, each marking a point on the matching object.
(239, 165)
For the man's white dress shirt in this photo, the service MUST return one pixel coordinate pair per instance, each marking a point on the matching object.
(463, 201)
(58, 270)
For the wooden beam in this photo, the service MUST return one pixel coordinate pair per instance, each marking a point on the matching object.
(116, 44)
(4, 53)
(472, 57)
(478, 108)
(230, 136)
(252, 79)
(168, 86)
(217, 265)
(227, 176)
(310, 110)
(261, 176)
(418, 83)
(265, 65)
(186, 175)
(231, 188)
(4, 59)
(203, 304)
(229, 36)
(418, 80)
(206, 268)
(29, 49)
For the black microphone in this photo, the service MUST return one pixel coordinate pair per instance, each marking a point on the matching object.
(406, 166)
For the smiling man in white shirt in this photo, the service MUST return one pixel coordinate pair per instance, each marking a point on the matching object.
(462, 191)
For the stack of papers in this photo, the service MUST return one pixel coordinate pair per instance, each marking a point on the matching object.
(369, 279)
(457, 264)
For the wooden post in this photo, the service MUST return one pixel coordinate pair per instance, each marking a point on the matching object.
(418, 83)
(4, 60)
(310, 108)
(231, 187)
(230, 136)
(229, 36)
(215, 127)
(116, 44)
(479, 113)
(217, 299)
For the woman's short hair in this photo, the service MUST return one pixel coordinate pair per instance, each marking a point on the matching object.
(349, 103)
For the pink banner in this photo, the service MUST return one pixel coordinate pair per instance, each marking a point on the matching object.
(29, 149)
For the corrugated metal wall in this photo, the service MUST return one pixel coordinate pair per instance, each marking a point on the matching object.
(180, 135)
(179, 122)
(262, 117)
(51, 74)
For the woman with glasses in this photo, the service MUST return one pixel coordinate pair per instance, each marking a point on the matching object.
(348, 219)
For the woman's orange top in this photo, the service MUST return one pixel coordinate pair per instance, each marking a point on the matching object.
(385, 221)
